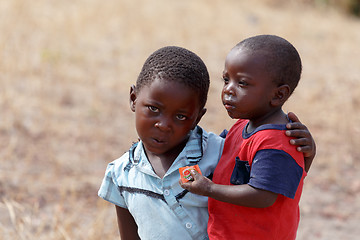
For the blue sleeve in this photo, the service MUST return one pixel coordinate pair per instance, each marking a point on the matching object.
(109, 190)
(275, 171)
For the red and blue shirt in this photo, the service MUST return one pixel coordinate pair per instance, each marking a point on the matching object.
(266, 160)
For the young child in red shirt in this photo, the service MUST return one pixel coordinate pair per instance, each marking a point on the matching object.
(257, 184)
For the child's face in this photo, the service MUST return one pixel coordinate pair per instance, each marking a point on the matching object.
(165, 112)
(248, 87)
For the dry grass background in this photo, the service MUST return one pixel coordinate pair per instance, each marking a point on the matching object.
(65, 72)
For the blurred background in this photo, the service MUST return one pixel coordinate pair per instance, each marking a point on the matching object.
(65, 73)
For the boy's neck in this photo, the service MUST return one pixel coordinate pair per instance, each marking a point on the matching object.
(274, 117)
(162, 163)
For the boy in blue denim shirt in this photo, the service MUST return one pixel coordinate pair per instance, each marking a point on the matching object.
(168, 101)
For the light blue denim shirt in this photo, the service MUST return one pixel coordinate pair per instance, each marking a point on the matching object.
(160, 207)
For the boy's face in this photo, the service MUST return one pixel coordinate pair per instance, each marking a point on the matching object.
(165, 112)
(248, 88)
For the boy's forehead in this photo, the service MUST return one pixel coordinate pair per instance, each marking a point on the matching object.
(241, 51)
(167, 86)
(162, 84)
(172, 96)
(259, 57)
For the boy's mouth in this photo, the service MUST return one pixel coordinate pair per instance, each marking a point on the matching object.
(159, 141)
(228, 106)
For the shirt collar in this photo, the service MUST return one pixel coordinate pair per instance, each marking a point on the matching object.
(194, 147)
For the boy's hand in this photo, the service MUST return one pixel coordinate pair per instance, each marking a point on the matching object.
(304, 141)
(200, 185)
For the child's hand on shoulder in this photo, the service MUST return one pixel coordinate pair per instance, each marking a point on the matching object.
(303, 139)
(200, 185)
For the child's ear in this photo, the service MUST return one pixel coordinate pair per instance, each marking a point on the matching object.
(281, 94)
(201, 114)
(132, 97)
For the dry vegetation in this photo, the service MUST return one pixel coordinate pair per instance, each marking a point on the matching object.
(65, 71)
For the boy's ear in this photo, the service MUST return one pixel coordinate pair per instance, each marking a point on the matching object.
(281, 94)
(201, 114)
(132, 97)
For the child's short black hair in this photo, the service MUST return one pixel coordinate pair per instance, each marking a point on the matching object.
(283, 62)
(176, 64)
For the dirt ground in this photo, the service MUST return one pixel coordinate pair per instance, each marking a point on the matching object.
(65, 72)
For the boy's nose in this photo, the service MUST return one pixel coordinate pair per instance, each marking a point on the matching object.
(163, 125)
(229, 89)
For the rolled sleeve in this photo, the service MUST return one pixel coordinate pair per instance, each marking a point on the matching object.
(109, 190)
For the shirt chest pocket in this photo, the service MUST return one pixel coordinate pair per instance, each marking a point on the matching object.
(241, 172)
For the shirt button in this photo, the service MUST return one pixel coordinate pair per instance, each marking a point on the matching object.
(188, 225)
(166, 192)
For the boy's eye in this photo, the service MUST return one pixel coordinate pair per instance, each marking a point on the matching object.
(243, 83)
(225, 80)
(181, 117)
(153, 109)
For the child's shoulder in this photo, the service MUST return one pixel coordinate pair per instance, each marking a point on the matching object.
(120, 163)
(272, 136)
(268, 133)
(209, 137)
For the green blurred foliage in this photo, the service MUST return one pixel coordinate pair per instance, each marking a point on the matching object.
(349, 6)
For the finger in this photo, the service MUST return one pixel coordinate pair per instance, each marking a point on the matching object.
(298, 133)
(194, 174)
(183, 185)
(304, 149)
(299, 142)
(295, 125)
(293, 117)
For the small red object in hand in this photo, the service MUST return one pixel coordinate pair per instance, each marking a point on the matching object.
(185, 173)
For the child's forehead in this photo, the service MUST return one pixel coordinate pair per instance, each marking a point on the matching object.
(250, 53)
(246, 56)
(166, 86)
(171, 95)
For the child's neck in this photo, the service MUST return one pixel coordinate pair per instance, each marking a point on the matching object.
(162, 162)
(274, 117)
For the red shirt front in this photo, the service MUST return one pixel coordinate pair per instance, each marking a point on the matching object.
(263, 159)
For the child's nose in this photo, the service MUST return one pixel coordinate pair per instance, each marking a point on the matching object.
(229, 89)
(163, 124)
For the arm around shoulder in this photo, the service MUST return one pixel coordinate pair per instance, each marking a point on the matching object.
(303, 139)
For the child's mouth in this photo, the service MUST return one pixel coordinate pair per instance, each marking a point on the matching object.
(228, 106)
(158, 141)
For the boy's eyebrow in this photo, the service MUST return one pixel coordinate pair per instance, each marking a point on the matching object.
(240, 74)
(159, 104)
(154, 102)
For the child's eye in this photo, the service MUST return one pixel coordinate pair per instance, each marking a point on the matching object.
(225, 80)
(181, 117)
(153, 109)
(243, 83)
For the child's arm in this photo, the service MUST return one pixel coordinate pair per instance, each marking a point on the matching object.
(243, 195)
(127, 225)
(304, 141)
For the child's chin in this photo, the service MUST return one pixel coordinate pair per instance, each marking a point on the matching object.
(231, 115)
